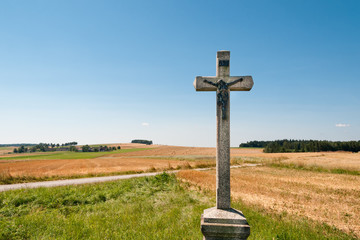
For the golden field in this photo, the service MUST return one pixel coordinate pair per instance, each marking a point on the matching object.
(324, 197)
(158, 157)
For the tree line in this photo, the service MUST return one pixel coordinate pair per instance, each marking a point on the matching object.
(304, 145)
(147, 142)
(255, 144)
(87, 148)
(45, 147)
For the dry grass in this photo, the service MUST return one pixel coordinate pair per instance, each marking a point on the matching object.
(328, 160)
(65, 167)
(6, 150)
(330, 198)
(158, 158)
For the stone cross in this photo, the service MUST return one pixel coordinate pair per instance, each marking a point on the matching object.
(223, 83)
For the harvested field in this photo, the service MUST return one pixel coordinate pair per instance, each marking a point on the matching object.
(65, 167)
(5, 150)
(328, 160)
(158, 157)
(330, 198)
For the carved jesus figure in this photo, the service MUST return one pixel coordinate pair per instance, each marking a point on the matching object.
(222, 93)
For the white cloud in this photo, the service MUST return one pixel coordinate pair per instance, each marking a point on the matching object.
(145, 124)
(342, 125)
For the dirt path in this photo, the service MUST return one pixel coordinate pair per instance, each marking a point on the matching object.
(74, 181)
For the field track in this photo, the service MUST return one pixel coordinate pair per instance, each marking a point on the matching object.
(93, 179)
(73, 181)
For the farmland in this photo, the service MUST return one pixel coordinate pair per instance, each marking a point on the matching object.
(131, 158)
(321, 187)
(142, 158)
(5, 150)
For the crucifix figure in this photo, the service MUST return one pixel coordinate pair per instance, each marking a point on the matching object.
(222, 93)
(223, 218)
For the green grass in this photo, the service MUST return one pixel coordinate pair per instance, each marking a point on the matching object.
(314, 168)
(70, 155)
(144, 208)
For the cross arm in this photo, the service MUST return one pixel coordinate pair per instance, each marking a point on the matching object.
(245, 85)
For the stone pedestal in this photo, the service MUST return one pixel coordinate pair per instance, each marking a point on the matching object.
(229, 224)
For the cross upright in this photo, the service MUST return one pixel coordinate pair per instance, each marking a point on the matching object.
(223, 83)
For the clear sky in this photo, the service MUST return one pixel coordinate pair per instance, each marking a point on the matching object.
(113, 71)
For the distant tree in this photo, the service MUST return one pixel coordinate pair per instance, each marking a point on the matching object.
(21, 149)
(15, 150)
(73, 149)
(85, 148)
(113, 148)
(118, 147)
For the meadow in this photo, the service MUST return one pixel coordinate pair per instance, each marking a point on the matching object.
(157, 207)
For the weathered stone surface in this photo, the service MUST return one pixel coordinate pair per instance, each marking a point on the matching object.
(224, 224)
(223, 157)
(223, 70)
(245, 85)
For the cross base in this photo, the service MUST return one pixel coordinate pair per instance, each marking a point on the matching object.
(229, 224)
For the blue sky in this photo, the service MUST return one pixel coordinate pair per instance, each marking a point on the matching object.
(113, 71)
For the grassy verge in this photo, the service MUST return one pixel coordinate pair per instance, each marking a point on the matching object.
(70, 155)
(314, 168)
(9, 179)
(277, 162)
(144, 208)
(246, 147)
(265, 225)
